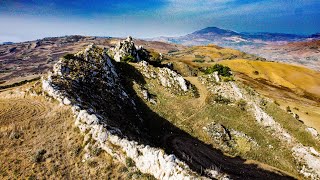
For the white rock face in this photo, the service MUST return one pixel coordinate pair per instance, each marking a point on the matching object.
(313, 132)
(216, 76)
(262, 117)
(310, 157)
(126, 48)
(166, 76)
(236, 90)
(66, 101)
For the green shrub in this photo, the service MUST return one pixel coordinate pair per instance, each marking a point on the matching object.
(69, 56)
(263, 102)
(222, 100)
(288, 109)
(198, 60)
(96, 151)
(128, 58)
(242, 104)
(227, 79)
(295, 108)
(38, 157)
(130, 162)
(173, 51)
(222, 70)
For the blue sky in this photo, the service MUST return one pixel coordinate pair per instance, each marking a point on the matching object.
(31, 19)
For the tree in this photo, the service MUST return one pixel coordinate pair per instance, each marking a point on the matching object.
(222, 70)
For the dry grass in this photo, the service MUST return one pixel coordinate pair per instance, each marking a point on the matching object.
(294, 77)
(38, 140)
(205, 55)
(308, 113)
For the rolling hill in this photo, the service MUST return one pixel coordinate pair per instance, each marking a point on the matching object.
(280, 47)
(124, 111)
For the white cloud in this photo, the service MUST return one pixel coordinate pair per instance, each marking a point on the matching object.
(195, 6)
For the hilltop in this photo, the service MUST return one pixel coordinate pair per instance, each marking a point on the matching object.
(161, 111)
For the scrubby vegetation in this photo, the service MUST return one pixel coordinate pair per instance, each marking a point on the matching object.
(222, 70)
(242, 104)
(128, 58)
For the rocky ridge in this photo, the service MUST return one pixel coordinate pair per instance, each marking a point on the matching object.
(74, 82)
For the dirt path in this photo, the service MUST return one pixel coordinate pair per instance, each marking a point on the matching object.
(202, 90)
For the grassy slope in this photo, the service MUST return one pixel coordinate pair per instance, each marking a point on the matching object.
(294, 77)
(303, 83)
(207, 55)
(29, 124)
(291, 85)
(191, 116)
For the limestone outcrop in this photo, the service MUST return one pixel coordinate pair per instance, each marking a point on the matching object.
(165, 76)
(127, 51)
(88, 81)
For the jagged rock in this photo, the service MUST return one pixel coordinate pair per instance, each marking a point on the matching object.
(127, 51)
(227, 139)
(147, 96)
(220, 135)
(308, 159)
(165, 76)
(66, 101)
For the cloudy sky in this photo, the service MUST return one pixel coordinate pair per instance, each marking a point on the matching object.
(23, 20)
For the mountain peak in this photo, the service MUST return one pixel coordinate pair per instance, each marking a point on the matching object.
(214, 30)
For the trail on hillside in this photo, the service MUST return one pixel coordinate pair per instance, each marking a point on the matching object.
(201, 156)
(202, 90)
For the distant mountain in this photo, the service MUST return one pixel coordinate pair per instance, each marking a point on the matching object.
(317, 36)
(266, 36)
(215, 31)
(229, 38)
(7, 43)
(272, 46)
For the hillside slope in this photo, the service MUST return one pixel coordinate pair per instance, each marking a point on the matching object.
(38, 140)
(146, 115)
(293, 86)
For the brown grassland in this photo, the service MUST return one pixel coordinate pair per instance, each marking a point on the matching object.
(38, 140)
